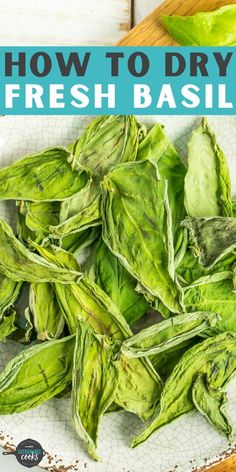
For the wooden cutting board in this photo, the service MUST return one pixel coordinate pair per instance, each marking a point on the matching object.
(150, 32)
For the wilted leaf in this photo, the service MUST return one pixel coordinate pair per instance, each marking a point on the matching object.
(48, 176)
(215, 359)
(35, 375)
(207, 182)
(105, 269)
(137, 228)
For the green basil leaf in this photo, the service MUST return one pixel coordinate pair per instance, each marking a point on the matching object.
(137, 228)
(88, 217)
(107, 141)
(47, 176)
(207, 182)
(139, 386)
(107, 272)
(234, 207)
(39, 216)
(36, 375)
(211, 402)
(9, 292)
(215, 296)
(167, 334)
(211, 239)
(190, 272)
(165, 362)
(215, 359)
(48, 320)
(77, 242)
(94, 382)
(19, 264)
(214, 28)
(7, 325)
(22, 230)
(156, 147)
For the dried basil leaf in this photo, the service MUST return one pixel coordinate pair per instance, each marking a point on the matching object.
(167, 334)
(139, 386)
(165, 362)
(36, 375)
(156, 147)
(215, 359)
(22, 230)
(207, 182)
(107, 272)
(9, 292)
(48, 320)
(37, 219)
(19, 264)
(234, 207)
(107, 141)
(48, 176)
(77, 242)
(212, 402)
(190, 272)
(28, 326)
(94, 382)
(7, 324)
(215, 296)
(211, 239)
(137, 229)
(87, 218)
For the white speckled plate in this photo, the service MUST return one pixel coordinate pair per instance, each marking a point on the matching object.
(182, 446)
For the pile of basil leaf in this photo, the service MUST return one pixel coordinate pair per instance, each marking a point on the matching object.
(151, 234)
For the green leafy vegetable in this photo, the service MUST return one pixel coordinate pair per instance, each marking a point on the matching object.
(77, 242)
(47, 317)
(22, 230)
(9, 292)
(48, 176)
(211, 238)
(35, 375)
(214, 28)
(169, 333)
(107, 141)
(211, 402)
(87, 218)
(18, 263)
(95, 379)
(38, 217)
(157, 148)
(199, 379)
(105, 269)
(156, 235)
(215, 296)
(137, 229)
(140, 386)
(7, 325)
(234, 206)
(191, 272)
(207, 182)
(165, 362)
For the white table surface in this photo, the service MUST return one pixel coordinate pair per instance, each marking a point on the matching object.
(77, 22)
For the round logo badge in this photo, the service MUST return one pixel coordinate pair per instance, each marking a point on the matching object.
(29, 453)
